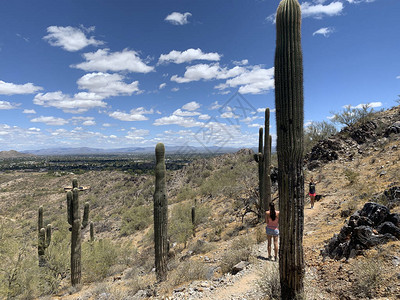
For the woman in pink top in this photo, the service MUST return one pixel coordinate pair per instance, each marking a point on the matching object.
(272, 220)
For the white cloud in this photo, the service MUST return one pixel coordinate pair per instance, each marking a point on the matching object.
(370, 104)
(71, 38)
(79, 103)
(189, 55)
(215, 105)
(185, 113)
(177, 120)
(106, 125)
(107, 85)
(320, 10)
(241, 62)
(50, 121)
(262, 110)
(102, 61)
(359, 1)
(204, 117)
(34, 129)
(325, 31)
(5, 105)
(271, 18)
(229, 115)
(207, 72)
(137, 134)
(89, 123)
(29, 111)
(175, 89)
(177, 18)
(398, 77)
(7, 88)
(136, 114)
(191, 106)
(162, 85)
(253, 81)
(255, 125)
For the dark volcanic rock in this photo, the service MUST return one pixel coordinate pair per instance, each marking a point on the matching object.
(394, 128)
(366, 228)
(364, 132)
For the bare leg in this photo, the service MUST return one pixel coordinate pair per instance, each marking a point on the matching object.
(312, 201)
(269, 245)
(276, 246)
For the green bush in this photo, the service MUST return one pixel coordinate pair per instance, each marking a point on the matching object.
(352, 115)
(136, 218)
(180, 224)
(97, 259)
(185, 193)
(351, 176)
(189, 271)
(316, 132)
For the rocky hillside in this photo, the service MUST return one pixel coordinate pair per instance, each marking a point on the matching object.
(356, 166)
(13, 154)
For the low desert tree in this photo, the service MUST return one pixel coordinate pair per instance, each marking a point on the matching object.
(351, 115)
(316, 132)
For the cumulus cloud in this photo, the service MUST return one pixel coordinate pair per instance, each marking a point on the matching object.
(79, 103)
(162, 85)
(179, 57)
(262, 110)
(103, 60)
(71, 38)
(319, 10)
(204, 117)
(370, 104)
(137, 134)
(136, 114)
(242, 62)
(107, 85)
(177, 120)
(89, 123)
(29, 111)
(175, 89)
(252, 81)
(177, 18)
(207, 72)
(50, 121)
(5, 105)
(8, 88)
(215, 105)
(325, 31)
(191, 106)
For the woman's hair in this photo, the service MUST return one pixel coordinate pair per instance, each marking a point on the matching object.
(272, 212)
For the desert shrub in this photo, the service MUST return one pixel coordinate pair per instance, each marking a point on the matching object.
(352, 115)
(201, 247)
(185, 193)
(260, 235)
(317, 131)
(240, 250)
(136, 218)
(351, 176)
(180, 224)
(189, 271)
(97, 259)
(269, 281)
(368, 277)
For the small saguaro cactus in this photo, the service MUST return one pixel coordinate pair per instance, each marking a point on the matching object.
(74, 219)
(44, 238)
(91, 232)
(194, 220)
(289, 103)
(160, 215)
(263, 158)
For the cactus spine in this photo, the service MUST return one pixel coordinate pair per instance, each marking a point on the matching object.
(74, 219)
(264, 161)
(160, 215)
(44, 238)
(289, 124)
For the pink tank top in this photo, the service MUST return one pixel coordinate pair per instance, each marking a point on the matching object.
(273, 224)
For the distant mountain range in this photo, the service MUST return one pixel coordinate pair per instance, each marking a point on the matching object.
(127, 150)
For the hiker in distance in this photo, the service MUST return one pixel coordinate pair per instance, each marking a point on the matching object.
(272, 229)
(311, 191)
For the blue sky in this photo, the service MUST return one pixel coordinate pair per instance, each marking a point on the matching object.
(116, 74)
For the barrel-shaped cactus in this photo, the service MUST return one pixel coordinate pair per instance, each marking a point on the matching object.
(44, 238)
(160, 215)
(74, 219)
(289, 125)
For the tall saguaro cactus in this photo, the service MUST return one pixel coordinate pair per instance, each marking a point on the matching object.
(289, 105)
(160, 215)
(264, 162)
(44, 238)
(74, 219)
